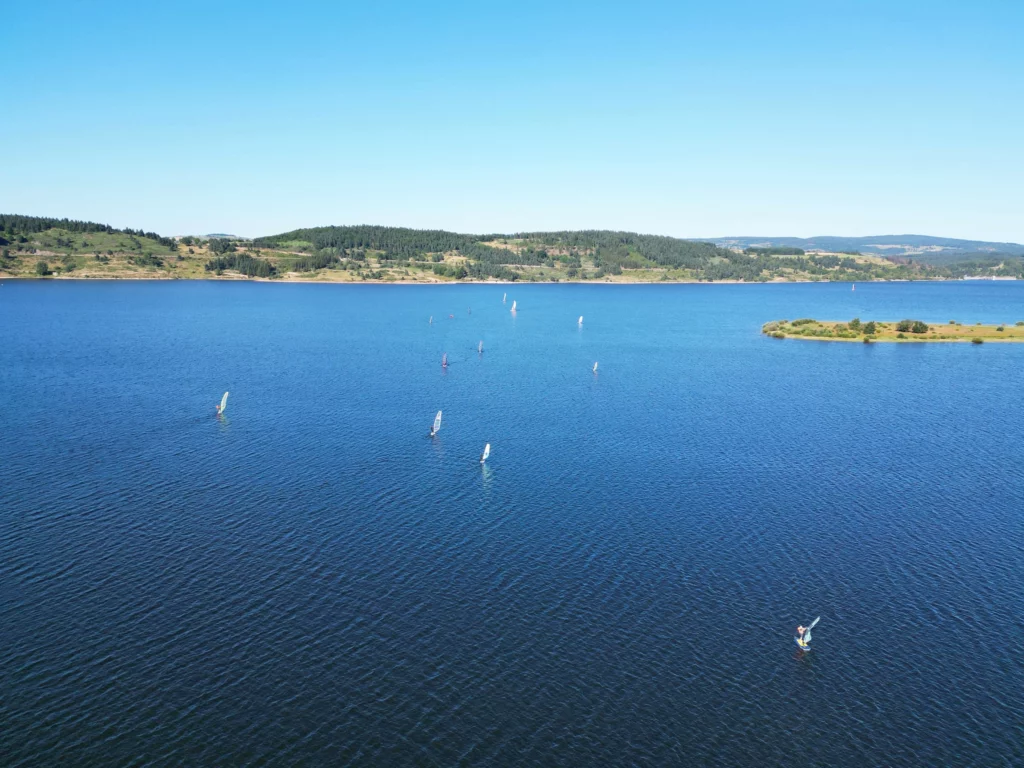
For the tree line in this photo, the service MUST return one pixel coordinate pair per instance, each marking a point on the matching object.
(16, 224)
(241, 262)
(400, 242)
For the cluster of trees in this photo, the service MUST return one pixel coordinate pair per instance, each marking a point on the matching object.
(482, 271)
(777, 250)
(476, 270)
(168, 242)
(496, 255)
(911, 326)
(318, 260)
(221, 245)
(146, 260)
(241, 262)
(831, 261)
(455, 270)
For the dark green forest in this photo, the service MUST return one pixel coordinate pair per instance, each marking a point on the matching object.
(15, 226)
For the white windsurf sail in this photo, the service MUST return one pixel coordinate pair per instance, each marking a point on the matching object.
(503, 297)
(807, 634)
(437, 424)
(580, 322)
(513, 306)
(595, 367)
(223, 403)
(480, 347)
(486, 453)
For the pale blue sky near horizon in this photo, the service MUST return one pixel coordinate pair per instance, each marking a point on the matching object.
(684, 119)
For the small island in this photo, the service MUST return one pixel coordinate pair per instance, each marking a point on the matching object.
(898, 331)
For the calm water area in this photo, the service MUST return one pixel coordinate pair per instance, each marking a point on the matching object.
(312, 580)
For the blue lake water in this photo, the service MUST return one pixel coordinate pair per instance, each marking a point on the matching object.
(311, 580)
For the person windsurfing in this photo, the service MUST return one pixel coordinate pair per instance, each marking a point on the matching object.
(803, 635)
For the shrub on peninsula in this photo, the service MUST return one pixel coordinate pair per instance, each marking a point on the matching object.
(911, 326)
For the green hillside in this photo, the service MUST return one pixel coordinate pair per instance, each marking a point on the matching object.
(34, 246)
(583, 255)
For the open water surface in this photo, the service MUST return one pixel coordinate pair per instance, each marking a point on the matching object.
(311, 580)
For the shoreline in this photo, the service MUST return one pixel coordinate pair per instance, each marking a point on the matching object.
(307, 281)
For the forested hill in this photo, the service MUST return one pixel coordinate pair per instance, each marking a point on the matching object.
(600, 255)
(397, 241)
(42, 246)
(522, 255)
(526, 248)
(25, 225)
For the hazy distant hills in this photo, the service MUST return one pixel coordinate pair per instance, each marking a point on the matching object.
(923, 248)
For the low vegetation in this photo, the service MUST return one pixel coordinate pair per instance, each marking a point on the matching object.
(902, 330)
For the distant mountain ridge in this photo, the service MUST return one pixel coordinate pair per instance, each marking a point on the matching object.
(919, 247)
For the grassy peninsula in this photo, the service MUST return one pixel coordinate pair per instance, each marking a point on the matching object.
(903, 330)
(33, 246)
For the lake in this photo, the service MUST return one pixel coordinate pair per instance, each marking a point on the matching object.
(312, 580)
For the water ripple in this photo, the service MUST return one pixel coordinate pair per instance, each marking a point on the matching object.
(311, 580)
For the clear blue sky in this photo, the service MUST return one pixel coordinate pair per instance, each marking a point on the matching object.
(689, 119)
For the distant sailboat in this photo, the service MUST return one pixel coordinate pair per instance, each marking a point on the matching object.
(223, 404)
(854, 288)
(480, 348)
(513, 306)
(437, 425)
(431, 319)
(486, 453)
(595, 367)
(444, 360)
(803, 639)
(503, 297)
(580, 322)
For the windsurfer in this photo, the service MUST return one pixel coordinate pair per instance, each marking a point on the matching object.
(800, 630)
